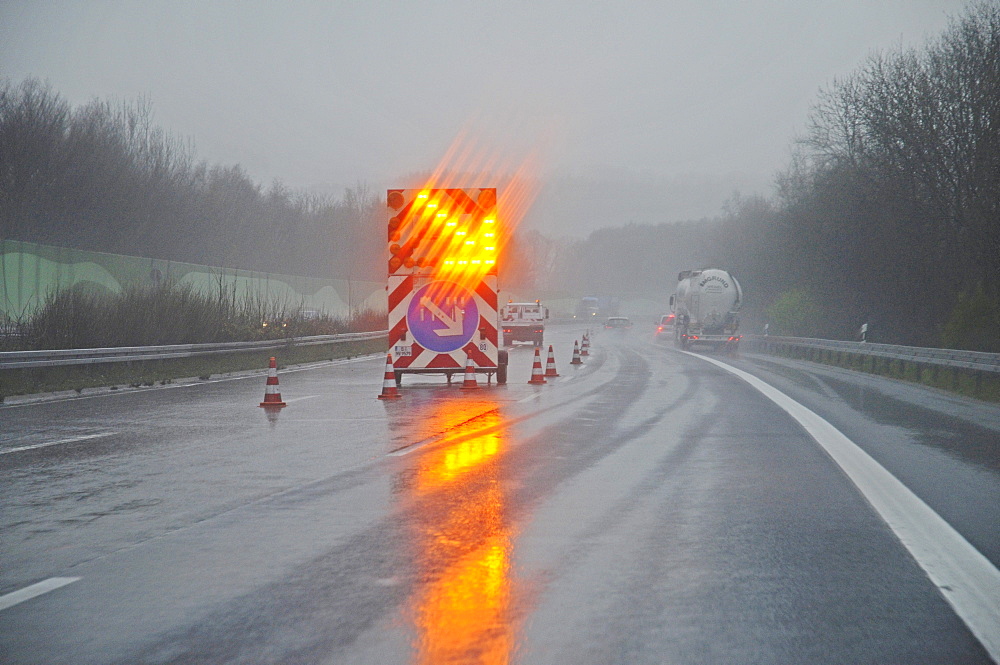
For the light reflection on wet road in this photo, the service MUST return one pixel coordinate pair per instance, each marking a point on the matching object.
(461, 541)
(645, 507)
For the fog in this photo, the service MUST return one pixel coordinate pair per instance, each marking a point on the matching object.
(688, 100)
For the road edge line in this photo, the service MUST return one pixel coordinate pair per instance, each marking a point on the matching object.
(967, 579)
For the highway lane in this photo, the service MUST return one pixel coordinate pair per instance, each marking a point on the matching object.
(645, 507)
(942, 446)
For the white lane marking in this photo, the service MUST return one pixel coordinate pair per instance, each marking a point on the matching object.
(72, 439)
(966, 578)
(29, 592)
(299, 399)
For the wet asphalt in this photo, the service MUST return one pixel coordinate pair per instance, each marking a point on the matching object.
(643, 507)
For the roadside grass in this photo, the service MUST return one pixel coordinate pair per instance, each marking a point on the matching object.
(165, 314)
(169, 313)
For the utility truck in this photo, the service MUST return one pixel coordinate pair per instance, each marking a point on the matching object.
(442, 286)
(707, 304)
(523, 322)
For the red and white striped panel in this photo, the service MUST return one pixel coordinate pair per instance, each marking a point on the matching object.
(409, 321)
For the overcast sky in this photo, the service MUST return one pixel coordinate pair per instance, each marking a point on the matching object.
(327, 94)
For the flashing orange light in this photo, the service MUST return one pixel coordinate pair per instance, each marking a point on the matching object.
(487, 198)
(417, 228)
(395, 199)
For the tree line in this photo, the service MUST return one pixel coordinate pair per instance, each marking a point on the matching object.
(103, 177)
(888, 214)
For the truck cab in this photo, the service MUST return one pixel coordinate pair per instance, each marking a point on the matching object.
(523, 322)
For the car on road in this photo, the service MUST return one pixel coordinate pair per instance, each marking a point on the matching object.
(667, 327)
(618, 323)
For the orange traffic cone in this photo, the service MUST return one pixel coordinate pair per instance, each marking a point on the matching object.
(470, 374)
(585, 345)
(550, 364)
(271, 395)
(536, 369)
(389, 390)
(576, 354)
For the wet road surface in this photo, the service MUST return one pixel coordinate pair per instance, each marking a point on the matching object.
(645, 507)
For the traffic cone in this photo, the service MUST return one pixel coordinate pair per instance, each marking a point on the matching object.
(470, 374)
(550, 364)
(576, 354)
(536, 369)
(389, 389)
(272, 398)
(585, 345)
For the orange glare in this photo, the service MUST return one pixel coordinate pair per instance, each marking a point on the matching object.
(474, 166)
(462, 541)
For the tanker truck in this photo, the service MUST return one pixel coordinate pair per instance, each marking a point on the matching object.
(707, 304)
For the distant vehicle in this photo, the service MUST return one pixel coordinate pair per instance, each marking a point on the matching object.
(587, 308)
(523, 322)
(707, 304)
(618, 323)
(666, 328)
(596, 307)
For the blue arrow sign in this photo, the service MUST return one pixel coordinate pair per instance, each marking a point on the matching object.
(442, 316)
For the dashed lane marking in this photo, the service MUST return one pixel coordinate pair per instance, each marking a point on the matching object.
(289, 400)
(35, 590)
(72, 439)
(967, 579)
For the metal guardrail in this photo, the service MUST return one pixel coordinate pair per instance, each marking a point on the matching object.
(51, 358)
(968, 360)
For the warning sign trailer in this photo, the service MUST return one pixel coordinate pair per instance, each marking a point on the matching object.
(442, 288)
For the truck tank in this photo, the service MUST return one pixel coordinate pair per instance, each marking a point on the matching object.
(707, 303)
